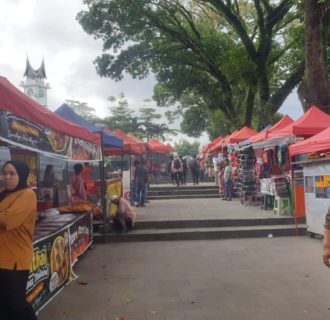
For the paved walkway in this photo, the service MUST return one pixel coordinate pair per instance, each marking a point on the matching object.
(199, 209)
(264, 278)
(246, 279)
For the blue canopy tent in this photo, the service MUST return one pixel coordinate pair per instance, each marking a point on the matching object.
(109, 140)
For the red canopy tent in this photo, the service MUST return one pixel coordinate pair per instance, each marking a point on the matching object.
(157, 147)
(131, 146)
(241, 135)
(170, 148)
(215, 144)
(309, 124)
(18, 103)
(142, 144)
(285, 121)
(316, 143)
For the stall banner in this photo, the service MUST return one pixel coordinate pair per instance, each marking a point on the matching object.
(81, 237)
(317, 199)
(84, 150)
(50, 269)
(114, 187)
(31, 159)
(23, 132)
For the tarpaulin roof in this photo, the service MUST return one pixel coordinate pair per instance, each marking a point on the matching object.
(109, 140)
(316, 143)
(157, 147)
(264, 134)
(242, 135)
(310, 123)
(15, 101)
(143, 144)
(215, 144)
(131, 146)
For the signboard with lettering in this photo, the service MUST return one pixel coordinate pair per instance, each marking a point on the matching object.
(21, 132)
(50, 269)
(322, 186)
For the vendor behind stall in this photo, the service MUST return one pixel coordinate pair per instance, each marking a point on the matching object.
(51, 182)
(77, 188)
(125, 216)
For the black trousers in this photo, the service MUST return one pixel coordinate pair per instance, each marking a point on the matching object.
(13, 304)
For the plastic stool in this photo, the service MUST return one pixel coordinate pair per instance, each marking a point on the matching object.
(282, 206)
(267, 202)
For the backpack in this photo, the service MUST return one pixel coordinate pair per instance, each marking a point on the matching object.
(177, 164)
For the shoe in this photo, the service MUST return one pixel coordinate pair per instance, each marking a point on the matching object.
(138, 204)
(142, 205)
(224, 199)
(229, 199)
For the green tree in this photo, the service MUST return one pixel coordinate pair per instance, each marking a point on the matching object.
(185, 148)
(240, 57)
(151, 129)
(83, 110)
(122, 116)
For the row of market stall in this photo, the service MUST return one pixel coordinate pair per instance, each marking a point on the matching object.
(285, 167)
(30, 132)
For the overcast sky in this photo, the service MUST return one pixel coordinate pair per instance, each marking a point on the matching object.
(48, 29)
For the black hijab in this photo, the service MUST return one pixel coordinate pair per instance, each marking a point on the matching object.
(23, 172)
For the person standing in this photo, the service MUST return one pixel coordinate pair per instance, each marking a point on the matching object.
(133, 183)
(194, 168)
(184, 170)
(169, 169)
(77, 187)
(141, 178)
(18, 208)
(177, 170)
(86, 173)
(202, 169)
(228, 178)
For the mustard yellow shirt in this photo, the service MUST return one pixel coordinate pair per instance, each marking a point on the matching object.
(18, 209)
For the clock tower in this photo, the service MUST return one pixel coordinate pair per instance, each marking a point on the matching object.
(34, 86)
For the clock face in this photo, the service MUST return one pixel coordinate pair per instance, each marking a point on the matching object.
(30, 92)
(41, 92)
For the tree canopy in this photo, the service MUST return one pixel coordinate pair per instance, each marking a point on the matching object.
(186, 148)
(240, 58)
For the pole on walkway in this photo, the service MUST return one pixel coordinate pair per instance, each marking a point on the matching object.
(103, 190)
(293, 196)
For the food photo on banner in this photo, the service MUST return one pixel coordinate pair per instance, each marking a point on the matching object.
(50, 269)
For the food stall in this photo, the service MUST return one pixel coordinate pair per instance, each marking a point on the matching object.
(28, 130)
(313, 154)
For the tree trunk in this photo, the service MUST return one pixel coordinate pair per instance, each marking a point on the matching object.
(315, 89)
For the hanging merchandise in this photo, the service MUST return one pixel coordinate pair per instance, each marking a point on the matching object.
(246, 178)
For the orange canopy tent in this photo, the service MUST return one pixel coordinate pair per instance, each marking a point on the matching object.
(309, 124)
(285, 121)
(241, 135)
(143, 145)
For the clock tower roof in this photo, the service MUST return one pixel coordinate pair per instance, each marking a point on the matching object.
(33, 74)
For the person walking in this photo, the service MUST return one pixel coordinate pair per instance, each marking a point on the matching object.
(169, 169)
(228, 178)
(194, 168)
(18, 208)
(133, 196)
(184, 170)
(177, 170)
(141, 179)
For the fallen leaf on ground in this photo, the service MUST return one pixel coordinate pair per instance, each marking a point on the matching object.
(128, 300)
(109, 280)
(307, 275)
(104, 266)
(83, 283)
(154, 312)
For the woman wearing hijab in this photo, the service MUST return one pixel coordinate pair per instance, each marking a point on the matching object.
(77, 187)
(18, 206)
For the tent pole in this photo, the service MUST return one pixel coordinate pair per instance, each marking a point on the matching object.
(103, 190)
(293, 196)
